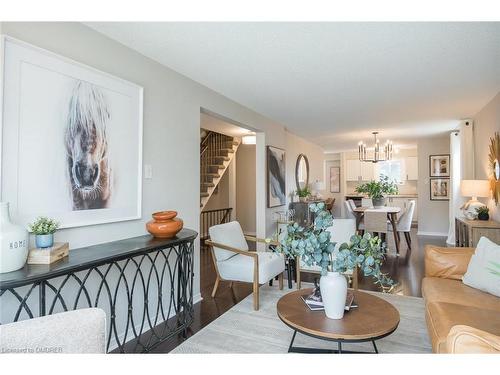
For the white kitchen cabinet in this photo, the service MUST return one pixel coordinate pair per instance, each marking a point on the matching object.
(367, 171)
(359, 171)
(352, 170)
(411, 168)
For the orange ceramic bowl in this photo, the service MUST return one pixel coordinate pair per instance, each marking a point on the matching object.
(164, 224)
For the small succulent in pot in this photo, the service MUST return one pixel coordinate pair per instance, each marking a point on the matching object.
(483, 213)
(43, 228)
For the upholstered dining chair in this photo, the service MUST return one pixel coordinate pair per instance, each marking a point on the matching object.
(330, 203)
(234, 262)
(341, 231)
(376, 222)
(349, 209)
(404, 223)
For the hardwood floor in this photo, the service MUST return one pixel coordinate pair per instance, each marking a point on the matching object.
(407, 270)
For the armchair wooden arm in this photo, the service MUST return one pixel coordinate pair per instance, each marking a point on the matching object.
(212, 244)
(261, 240)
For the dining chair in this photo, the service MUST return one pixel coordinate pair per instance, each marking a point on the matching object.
(376, 223)
(366, 202)
(234, 262)
(330, 203)
(349, 209)
(341, 231)
(404, 223)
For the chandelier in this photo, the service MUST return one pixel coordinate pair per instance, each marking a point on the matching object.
(379, 154)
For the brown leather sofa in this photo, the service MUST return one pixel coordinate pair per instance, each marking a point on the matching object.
(460, 319)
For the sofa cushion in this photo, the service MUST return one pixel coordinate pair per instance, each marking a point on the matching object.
(480, 270)
(435, 289)
(442, 316)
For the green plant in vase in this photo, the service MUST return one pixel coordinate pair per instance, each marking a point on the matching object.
(377, 190)
(303, 193)
(483, 213)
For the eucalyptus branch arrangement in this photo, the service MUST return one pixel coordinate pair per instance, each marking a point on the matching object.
(313, 245)
(43, 225)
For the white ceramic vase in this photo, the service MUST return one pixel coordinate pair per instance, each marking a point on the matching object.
(13, 242)
(333, 288)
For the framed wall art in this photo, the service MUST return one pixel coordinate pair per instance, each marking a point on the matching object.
(72, 139)
(334, 179)
(439, 165)
(439, 189)
(276, 190)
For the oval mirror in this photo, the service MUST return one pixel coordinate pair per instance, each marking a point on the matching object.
(496, 169)
(302, 172)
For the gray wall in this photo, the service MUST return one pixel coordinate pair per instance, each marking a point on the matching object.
(172, 106)
(486, 123)
(432, 215)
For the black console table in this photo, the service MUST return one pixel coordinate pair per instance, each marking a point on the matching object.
(144, 284)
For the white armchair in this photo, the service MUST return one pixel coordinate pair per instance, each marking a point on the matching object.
(341, 231)
(234, 262)
(77, 331)
(349, 209)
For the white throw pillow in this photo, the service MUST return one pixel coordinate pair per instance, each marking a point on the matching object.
(479, 273)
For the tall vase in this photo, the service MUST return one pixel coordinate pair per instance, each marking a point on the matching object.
(333, 288)
(13, 242)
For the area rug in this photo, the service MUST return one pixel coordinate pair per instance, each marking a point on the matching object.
(243, 330)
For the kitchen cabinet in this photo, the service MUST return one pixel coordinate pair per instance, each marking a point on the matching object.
(359, 171)
(411, 168)
(352, 170)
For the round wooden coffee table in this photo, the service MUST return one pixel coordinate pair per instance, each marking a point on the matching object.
(373, 319)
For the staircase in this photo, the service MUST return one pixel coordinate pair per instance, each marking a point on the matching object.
(216, 153)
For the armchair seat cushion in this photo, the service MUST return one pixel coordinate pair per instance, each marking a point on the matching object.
(442, 316)
(240, 267)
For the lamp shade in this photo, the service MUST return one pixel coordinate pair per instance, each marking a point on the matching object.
(319, 186)
(475, 188)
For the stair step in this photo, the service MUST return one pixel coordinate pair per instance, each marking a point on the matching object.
(218, 166)
(228, 150)
(214, 175)
(208, 184)
(202, 194)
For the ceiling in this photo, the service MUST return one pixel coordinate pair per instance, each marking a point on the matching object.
(334, 83)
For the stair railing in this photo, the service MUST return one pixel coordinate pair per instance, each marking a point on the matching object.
(210, 218)
(210, 149)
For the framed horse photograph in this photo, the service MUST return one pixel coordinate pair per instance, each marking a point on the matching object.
(72, 139)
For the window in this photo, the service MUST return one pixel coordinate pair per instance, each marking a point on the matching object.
(392, 169)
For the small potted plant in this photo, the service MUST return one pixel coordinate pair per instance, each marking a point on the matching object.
(43, 228)
(483, 213)
(303, 194)
(377, 190)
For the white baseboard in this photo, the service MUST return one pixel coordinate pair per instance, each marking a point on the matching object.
(435, 234)
(197, 298)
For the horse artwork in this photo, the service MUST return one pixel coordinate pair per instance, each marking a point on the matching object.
(87, 148)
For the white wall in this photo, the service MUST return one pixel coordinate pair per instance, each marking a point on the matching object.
(486, 123)
(432, 215)
(245, 188)
(333, 160)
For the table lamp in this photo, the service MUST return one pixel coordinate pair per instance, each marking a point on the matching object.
(474, 189)
(319, 186)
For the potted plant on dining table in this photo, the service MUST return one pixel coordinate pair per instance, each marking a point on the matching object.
(313, 245)
(378, 190)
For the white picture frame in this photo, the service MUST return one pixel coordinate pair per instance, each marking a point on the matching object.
(42, 91)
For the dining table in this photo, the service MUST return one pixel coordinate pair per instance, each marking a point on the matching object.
(392, 217)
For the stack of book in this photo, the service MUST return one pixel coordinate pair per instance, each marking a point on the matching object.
(315, 303)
